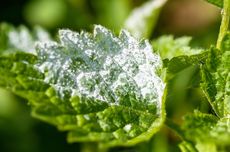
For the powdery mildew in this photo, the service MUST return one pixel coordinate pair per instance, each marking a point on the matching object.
(103, 67)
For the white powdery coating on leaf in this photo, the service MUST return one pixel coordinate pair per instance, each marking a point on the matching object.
(137, 21)
(104, 67)
(21, 40)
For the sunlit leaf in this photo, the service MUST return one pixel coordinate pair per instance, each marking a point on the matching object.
(169, 47)
(143, 19)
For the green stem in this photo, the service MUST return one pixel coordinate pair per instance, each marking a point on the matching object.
(176, 128)
(224, 22)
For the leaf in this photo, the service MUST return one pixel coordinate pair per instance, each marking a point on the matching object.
(180, 59)
(17, 59)
(216, 78)
(143, 19)
(20, 39)
(218, 3)
(99, 87)
(170, 47)
(187, 147)
(208, 146)
(206, 128)
(180, 63)
(208, 131)
(177, 54)
(15, 68)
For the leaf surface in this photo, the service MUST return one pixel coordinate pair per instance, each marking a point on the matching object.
(177, 55)
(209, 131)
(216, 78)
(143, 19)
(218, 3)
(98, 87)
(170, 47)
(20, 39)
(207, 128)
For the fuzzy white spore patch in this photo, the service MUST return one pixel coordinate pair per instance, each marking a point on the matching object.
(103, 67)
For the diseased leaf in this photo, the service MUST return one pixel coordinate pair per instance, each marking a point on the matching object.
(99, 87)
(17, 59)
(17, 67)
(143, 19)
(218, 3)
(20, 39)
(216, 78)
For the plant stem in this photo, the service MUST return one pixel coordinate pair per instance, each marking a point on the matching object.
(185, 143)
(169, 123)
(224, 22)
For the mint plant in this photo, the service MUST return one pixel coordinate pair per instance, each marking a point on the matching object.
(96, 86)
(112, 90)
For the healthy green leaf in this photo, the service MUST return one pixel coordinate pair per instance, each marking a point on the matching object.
(99, 87)
(216, 78)
(187, 147)
(143, 19)
(180, 63)
(218, 3)
(170, 47)
(207, 128)
(178, 55)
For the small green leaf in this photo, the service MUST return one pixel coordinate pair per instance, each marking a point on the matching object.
(218, 3)
(180, 63)
(209, 131)
(206, 128)
(187, 147)
(216, 78)
(143, 19)
(170, 47)
(178, 55)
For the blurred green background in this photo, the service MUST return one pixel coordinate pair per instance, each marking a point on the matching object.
(19, 132)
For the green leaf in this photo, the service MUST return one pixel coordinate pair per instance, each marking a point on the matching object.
(15, 67)
(143, 19)
(216, 78)
(187, 147)
(177, 55)
(218, 3)
(170, 47)
(99, 87)
(208, 146)
(208, 131)
(17, 59)
(207, 128)
(4, 29)
(180, 63)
